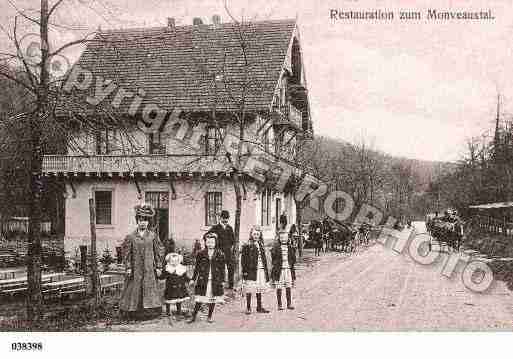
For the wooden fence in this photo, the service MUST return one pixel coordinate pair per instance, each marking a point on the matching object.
(20, 225)
(493, 225)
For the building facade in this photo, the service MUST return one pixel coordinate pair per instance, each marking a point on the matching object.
(183, 163)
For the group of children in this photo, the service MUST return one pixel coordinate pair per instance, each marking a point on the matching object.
(209, 273)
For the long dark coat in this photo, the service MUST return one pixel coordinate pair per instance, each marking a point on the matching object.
(249, 261)
(142, 255)
(175, 285)
(277, 261)
(225, 237)
(201, 271)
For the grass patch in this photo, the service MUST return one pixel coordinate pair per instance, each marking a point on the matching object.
(74, 315)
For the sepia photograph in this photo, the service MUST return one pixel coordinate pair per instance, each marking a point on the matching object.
(255, 166)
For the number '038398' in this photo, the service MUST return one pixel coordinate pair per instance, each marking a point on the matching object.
(26, 346)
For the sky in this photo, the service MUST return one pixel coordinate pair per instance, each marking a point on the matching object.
(416, 89)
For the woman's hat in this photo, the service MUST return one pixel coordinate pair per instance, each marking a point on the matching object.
(144, 210)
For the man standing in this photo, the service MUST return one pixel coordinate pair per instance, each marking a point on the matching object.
(225, 242)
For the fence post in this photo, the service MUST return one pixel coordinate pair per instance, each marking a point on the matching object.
(95, 279)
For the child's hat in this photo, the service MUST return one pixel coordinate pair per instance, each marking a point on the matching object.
(172, 256)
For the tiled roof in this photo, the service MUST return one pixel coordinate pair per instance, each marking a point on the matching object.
(177, 68)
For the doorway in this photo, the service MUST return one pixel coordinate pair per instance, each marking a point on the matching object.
(278, 213)
(160, 202)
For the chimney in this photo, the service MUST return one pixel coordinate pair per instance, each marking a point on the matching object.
(171, 23)
(216, 20)
(197, 21)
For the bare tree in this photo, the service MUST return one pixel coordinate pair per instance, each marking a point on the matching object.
(44, 94)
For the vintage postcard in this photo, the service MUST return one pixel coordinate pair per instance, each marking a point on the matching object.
(255, 166)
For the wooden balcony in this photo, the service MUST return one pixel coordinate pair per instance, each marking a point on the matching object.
(288, 115)
(129, 164)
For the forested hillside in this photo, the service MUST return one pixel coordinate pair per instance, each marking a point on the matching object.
(395, 185)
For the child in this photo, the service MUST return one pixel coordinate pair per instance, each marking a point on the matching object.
(283, 258)
(209, 274)
(254, 269)
(175, 274)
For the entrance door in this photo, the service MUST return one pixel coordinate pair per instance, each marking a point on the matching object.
(278, 212)
(160, 201)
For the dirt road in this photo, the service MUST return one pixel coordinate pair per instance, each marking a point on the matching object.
(377, 289)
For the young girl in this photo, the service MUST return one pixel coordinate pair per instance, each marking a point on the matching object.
(209, 273)
(254, 269)
(175, 274)
(283, 259)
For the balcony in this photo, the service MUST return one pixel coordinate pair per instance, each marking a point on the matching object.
(121, 164)
(288, 115)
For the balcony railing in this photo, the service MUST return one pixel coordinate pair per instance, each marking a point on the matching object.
(295, 116)
(132, 163)
(290, 115)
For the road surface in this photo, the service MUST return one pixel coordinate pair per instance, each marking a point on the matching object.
(376, 290)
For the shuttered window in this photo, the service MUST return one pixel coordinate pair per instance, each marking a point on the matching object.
(103, 204)
(213, 206)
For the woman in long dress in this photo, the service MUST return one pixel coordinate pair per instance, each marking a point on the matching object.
(209, 277)
(142, 253)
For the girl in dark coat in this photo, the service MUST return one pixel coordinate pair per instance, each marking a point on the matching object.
(175, 274)
(209, 277)
(283, 259)
(254, 269)
(316, 237)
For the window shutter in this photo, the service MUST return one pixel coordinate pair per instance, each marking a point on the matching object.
(206, 208)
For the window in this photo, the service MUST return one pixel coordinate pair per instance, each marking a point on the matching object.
(213, 140)
(266, 203)
(156, 144)
(103, 204)
(213, 206)
(103, 139)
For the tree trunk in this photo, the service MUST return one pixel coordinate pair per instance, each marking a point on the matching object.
(236, 229)
(34, 295)
(299, 227)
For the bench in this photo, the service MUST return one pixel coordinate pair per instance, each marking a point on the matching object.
(51, 293)
(113, 286)
(72, 291)
(14, 291)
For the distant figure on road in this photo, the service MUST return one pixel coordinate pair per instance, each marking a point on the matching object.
(326, 234)
(316, 237)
